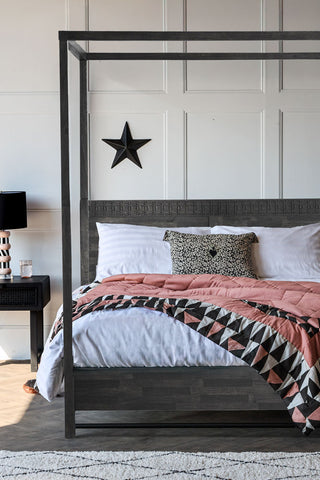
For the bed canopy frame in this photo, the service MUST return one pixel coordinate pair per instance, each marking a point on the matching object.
(83, 389)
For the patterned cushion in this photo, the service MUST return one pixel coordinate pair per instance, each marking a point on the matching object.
(215, 254)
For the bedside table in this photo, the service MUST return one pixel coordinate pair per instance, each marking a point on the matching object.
(31, 294)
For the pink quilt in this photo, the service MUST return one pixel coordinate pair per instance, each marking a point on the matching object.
(273, 326)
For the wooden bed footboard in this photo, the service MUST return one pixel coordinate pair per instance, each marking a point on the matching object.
(173, 389)
(227, 396)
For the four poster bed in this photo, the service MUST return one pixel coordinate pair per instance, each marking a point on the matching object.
(230, 391)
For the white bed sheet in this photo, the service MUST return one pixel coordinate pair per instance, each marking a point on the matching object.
(135, 337)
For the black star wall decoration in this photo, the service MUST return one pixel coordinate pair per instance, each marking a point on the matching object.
(126, 147)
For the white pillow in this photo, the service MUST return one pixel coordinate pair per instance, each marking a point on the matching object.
(283, 253)
(135, 248)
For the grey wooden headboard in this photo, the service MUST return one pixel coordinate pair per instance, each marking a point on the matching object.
(173, 213)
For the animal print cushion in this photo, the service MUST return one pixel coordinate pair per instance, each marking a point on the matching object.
(215, 254)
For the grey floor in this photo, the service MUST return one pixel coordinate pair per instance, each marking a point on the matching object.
(29, 422)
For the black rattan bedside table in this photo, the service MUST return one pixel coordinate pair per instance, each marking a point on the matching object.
(31, 294)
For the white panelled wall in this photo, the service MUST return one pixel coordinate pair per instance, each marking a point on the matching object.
(218, 129)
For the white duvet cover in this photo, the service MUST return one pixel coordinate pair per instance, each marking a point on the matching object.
(136, 337)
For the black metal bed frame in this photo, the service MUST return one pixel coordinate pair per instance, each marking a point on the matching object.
(298, 209)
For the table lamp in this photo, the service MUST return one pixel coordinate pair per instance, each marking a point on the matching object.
(13, 214)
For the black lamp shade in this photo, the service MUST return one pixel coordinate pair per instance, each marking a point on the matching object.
(13, 210)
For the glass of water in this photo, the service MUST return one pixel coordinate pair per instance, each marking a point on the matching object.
(25, 268)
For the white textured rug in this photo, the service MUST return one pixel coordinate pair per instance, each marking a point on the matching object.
(158, 465)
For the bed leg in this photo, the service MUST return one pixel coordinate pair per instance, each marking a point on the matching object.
(69, 409)
(70, 424)
(70, 431)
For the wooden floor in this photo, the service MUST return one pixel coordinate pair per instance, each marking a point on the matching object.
(29, 422)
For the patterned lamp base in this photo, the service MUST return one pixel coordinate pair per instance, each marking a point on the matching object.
(5, 270)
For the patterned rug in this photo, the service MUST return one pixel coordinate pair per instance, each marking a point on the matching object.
(159, 465)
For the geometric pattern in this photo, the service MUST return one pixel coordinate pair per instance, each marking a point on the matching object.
(144, 465)
(4, 251)
(278, 361)
(303, 322)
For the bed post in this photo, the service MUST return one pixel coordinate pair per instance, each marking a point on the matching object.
(66, 243)
(84, 167)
